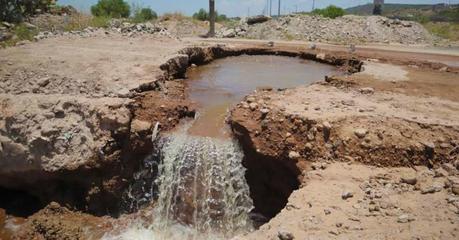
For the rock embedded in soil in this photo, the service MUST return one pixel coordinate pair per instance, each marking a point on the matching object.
(360, 132)
(346, 195)
(285, 235)
(294, 155)
(405, 218)
(409, 180)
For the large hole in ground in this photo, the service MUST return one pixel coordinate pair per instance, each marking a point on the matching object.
(194, 176)
(217, 86)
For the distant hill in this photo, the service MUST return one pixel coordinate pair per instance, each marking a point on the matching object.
(416, 12)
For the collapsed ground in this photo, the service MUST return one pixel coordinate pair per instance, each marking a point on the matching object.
(77, 116)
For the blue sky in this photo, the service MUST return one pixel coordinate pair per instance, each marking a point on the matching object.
(241, 7)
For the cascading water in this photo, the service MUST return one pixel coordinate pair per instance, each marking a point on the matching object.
(201, 190)
(195, 178)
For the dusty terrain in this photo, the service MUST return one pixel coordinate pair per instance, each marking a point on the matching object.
(79, 113)
(346, 29)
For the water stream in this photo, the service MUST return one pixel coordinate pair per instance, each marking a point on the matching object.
(195, 177)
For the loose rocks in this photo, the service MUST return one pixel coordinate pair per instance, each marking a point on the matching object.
(284, 235)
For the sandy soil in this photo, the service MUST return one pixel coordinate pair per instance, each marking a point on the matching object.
(382, 206)
(389, 120)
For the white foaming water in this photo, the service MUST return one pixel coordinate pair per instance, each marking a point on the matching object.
(202, 192)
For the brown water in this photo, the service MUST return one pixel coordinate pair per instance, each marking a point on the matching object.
(224, 82)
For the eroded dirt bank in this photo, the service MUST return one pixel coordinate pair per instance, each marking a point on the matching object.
(376, 118)
(90, 144)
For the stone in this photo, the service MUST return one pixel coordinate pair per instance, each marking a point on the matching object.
(23, 42)
(440, 172)
(12, 149)
(367, 90)
(450, 168)
(347, 194)
(321, 56)
(29, 25)
(43, 82)
(436, 187)
(404, 218)
(257, 19)
(318, 165)
(284, 235)
(327, 211)
(455, 189)
(229, 33)
(294, 155)
(140, 126)
(429, 146)
(360, 132)
(409, 180)
(326, 125)
(264, 111)
(250, 99)
(8, 25)
(253, 106)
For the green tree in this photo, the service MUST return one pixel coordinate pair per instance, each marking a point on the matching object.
(144, 14)
(111, 8)
(201, 15)
(331, 11)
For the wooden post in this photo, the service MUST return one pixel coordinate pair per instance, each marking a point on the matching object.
(212, 18)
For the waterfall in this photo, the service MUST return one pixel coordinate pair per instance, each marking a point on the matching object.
(201, 191)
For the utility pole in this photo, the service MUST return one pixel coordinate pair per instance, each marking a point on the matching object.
(279, 9)
(313, 4)
(212, 18)
(270, 8)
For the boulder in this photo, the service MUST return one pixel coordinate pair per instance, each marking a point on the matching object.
(258, 19)
(229, 33)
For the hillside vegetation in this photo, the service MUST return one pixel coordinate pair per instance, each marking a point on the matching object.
(440, 19)
(413, 12)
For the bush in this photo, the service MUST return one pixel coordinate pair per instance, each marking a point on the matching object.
(203, 15)
(16, 10)
(144, 14)
(111, 8)
(331, 11)
(447, 30)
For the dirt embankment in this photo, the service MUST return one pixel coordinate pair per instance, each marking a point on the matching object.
(386, 116)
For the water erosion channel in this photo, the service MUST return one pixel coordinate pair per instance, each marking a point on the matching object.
(200, 190)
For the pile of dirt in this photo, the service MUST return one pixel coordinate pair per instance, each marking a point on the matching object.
(346, 29)
(115, 26)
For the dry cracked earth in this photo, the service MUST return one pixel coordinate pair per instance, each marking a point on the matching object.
(369, 154)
